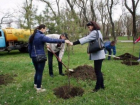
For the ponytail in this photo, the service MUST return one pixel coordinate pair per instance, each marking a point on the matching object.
(37, 28)
(33, 35)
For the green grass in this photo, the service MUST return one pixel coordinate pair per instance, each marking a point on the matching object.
(122, 38)
(122, 82)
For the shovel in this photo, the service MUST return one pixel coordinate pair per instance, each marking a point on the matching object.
(112, 55)
(71, 70)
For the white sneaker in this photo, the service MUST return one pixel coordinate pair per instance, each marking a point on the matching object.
(39, 90)
(35, 86)
(138, 60)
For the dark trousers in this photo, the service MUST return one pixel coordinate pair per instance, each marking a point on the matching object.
(50, 63)
(39, 68)
(100, 80)
(110, 52)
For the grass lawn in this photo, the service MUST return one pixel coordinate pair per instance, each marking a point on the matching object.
(122, 38)
(122, 82)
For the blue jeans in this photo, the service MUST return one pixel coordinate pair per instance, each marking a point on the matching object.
(109, 51)
(39, 68)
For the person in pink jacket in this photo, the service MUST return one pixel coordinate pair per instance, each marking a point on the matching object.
(137, 40)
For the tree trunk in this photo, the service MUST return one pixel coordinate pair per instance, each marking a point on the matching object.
(73, 11)
(92, 10)
(110, 15)
(133, 13)
(134, 25)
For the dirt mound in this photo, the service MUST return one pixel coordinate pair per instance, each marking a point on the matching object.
(129, 63)
(83, 72)
(67, 92)
(7, 78)
(128, 59)
(126, 56)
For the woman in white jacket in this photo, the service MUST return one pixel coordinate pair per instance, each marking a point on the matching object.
(96, 56)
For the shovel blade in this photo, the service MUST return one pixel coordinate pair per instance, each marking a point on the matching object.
(71, 70)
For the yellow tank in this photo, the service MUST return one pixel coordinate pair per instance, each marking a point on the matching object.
(12, 34)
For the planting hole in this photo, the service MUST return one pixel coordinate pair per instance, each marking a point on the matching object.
(6, 78)
(67, 92)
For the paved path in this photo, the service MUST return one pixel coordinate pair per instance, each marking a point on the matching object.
(125, 40)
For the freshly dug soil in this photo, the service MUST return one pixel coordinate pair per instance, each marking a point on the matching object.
(7, 78)
(67, 92)
(129, 63)
(126, 56)
(83, 72)
(128, 59)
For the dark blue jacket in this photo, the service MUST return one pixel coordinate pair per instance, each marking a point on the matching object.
(38, 43)
(108, 46)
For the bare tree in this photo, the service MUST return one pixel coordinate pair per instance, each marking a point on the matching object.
(133, 13)
(108, 26)
(57, 2)
(83, 5)
(56, 14)
(72, 4)
(110, 4)
(28, 13)
(93, 16)
(49, 5)
(28, 7)
(4, 19)
(103, 14)
(126, 21)
(119, 27)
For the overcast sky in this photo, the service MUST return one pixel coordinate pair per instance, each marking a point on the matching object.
(14, 5)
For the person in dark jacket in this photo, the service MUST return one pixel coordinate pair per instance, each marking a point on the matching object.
(96, 56)
(109, 46)
(36, 46)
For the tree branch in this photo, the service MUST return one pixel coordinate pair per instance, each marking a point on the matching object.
(136, 4)
(57, 2)
(128, 7)
(48, 3)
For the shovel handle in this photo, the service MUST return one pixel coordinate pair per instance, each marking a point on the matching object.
(57, 58)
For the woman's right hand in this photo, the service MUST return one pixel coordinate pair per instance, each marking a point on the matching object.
(67, 41)
(48, 46)
(71, 43)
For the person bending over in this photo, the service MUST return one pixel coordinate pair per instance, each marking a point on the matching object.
(110, 46)
(58, 49)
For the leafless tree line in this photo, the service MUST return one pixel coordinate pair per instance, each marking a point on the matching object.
(74, 14)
